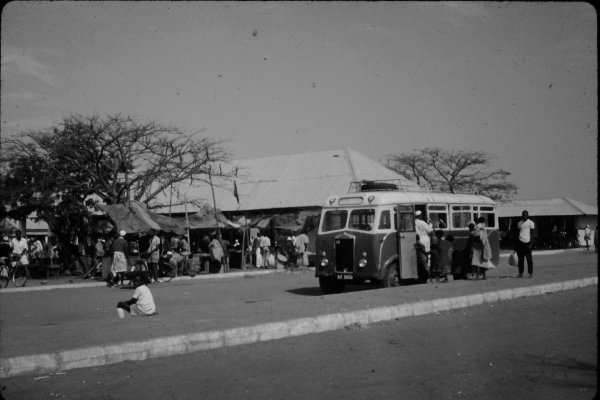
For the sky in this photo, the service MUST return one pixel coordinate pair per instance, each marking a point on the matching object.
(515, 79)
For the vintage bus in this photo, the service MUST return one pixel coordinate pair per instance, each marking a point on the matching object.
(368, 234)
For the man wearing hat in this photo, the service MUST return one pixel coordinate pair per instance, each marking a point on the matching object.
(423, 230)
(120, 249)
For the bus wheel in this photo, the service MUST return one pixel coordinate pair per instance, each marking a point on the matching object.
(391, 278)
(331, 284)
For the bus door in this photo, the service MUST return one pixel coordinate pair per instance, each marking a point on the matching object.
(406, 241)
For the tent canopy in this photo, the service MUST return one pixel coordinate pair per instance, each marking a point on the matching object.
(135, 218)
(209, 221)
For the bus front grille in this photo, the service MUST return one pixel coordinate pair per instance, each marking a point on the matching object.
(344, 254)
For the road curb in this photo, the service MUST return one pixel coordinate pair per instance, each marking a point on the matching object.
(79, 285)
(181, 344)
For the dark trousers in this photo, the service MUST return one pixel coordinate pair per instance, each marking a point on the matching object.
(124, 305)
(524, 252)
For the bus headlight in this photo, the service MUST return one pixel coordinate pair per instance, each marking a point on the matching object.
(362, 263)
(324, 260)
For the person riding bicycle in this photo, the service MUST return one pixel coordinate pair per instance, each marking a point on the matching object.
(20, 247)
(153, 254)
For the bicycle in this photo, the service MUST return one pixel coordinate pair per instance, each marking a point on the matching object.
(94, 272)
(164, 271)
(14, 270)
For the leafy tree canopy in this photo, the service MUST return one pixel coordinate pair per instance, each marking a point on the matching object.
(113, 157)
(454, 171)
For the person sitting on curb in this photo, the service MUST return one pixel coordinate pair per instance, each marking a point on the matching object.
(142, 301)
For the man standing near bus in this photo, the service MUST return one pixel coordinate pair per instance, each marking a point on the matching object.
(525, 243)
(300, 246)
(423, 230)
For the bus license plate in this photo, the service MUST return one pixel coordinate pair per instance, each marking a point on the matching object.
(345, 277)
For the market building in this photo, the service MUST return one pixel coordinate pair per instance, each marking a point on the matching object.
(560, 222)
(281, 195)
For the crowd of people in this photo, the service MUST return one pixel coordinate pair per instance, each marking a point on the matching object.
(437, 258)
(290, 251)
(29, 250)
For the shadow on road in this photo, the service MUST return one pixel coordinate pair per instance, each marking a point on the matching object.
(316, 291)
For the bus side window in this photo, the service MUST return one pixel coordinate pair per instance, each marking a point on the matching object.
(490, 219)
(461, 216)
(488, 213)
(384, 220)
(438, 215)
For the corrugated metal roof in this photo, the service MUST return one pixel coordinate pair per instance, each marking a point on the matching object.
(558, 206)
(289, 181)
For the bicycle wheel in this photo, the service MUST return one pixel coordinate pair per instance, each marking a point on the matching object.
(4, 276)
(20, 275)
(165, 272)
(94, 271)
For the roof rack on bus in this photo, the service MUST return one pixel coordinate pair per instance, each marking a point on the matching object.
(397, 185)
(389, 185)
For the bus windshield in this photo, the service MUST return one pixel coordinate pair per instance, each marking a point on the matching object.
(362, 219)
(334, 220)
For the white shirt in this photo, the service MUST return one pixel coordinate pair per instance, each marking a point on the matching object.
(525, 228)
(301, 243)
(19, 245)
(265, 241)
(423, 230)
(145, 301)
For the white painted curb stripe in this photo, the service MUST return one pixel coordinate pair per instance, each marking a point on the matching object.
(180, 344)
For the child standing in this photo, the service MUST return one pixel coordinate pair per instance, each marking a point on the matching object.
(142, 302)
(436, 257)
(441, 256)
(446, 252)
(422, 259)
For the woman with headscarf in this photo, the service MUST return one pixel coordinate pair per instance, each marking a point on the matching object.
(481, 252)
(120, 249)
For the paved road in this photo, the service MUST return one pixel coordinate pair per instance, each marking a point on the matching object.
(533, 348)
(49, 322)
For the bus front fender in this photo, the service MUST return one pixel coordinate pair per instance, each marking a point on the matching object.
(390, 260)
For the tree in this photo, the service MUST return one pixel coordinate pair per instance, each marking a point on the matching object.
(454, 171)
(116, 158)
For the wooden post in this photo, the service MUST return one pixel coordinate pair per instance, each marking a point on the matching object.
(243, 259)
(212, 189)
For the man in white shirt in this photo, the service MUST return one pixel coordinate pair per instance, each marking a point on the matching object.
(265, 246)
(301, 244)
(525, 243)
(423, 230)
(141, 303)
(20, 247)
